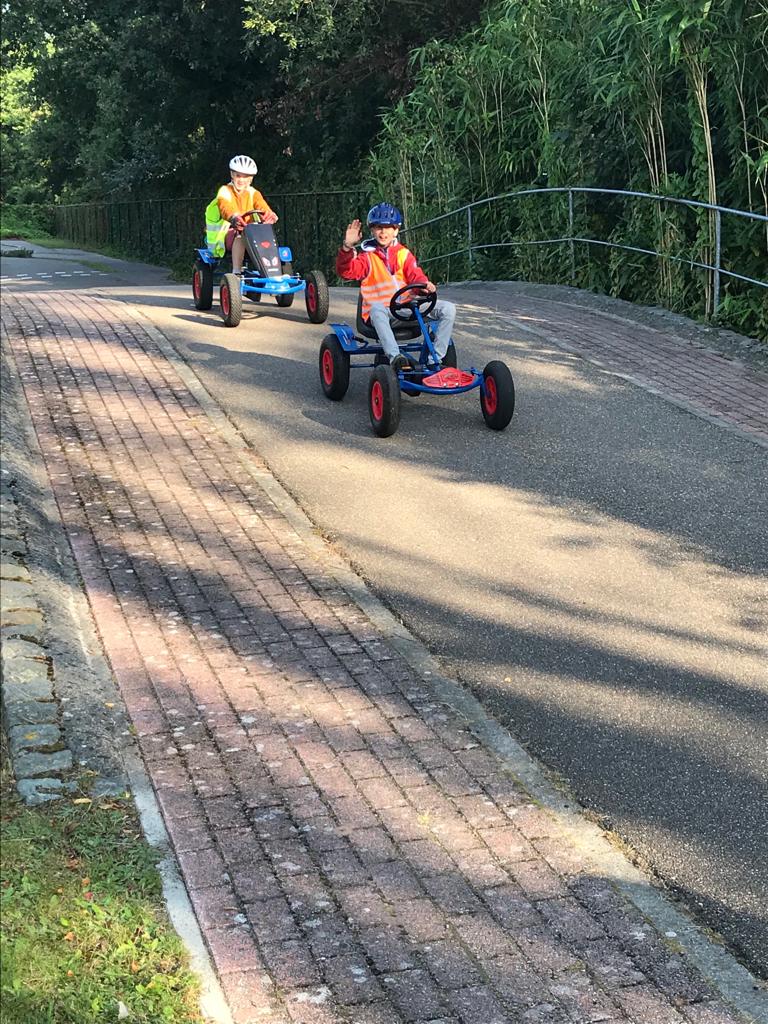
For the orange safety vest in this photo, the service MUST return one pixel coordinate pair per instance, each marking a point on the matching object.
(380, 284)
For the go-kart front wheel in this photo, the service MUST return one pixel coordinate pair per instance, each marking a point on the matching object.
(202, 286)
(384, 401)
(497, 395)
(284, 301)
(231, 298)
(334, 368)
(316, 297)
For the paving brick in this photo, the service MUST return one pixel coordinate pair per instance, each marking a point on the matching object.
(547, 954)
(202, 868)
(515, 981)
(313, 1006)
(511, 909)
(217, 907)
(351, 980)
(421, 920)
(375, 1013)
(233, 949)
(372, 845)
(569, 921)
(537, 880)
(480, 811)
(452, 894)
(329, 935)
(396, 882)
(645, 1005)
(290, 964)
(254, 882)
(479, 868)
(388, 948)
(380, 792)
(272, 920)
(414, 994)
(582, 998)
(477, 1005)
(342, 868)
(483, 936)
(361, 764)
(450, 965)
(364, 908)
(251, 999)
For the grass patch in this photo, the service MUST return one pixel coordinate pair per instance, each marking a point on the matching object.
(84, 928)
(19, 252)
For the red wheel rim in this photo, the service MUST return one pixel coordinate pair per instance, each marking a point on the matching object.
(225, 300)
(311, 296)
(491, 399)
(328, 367)
(377, 400)
(196, 285)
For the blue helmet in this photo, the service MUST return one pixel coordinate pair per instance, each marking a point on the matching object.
(384, 213)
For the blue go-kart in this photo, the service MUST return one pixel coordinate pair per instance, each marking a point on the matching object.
(410, 307)
(267, 270)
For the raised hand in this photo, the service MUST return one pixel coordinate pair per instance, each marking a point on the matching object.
(353, 234)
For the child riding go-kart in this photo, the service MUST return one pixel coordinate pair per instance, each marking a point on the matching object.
(267, 270)
(421, 371)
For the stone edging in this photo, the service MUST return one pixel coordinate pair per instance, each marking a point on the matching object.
(42, 762)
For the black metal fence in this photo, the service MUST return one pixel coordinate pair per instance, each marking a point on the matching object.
(167, 230)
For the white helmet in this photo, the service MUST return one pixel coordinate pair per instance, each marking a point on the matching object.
(242, 164)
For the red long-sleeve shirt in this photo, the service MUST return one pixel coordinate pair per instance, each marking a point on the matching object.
(354, 266)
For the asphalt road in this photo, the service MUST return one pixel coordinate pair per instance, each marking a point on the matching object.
(597, 574)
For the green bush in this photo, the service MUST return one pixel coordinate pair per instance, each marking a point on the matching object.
(27, 221)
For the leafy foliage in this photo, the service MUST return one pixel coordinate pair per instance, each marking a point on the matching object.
(661, 96)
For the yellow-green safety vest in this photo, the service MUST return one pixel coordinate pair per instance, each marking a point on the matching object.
(215, 228)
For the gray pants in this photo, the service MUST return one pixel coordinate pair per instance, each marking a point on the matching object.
(444, 312)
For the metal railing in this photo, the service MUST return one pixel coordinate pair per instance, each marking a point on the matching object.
(168, 230)
(716, 268)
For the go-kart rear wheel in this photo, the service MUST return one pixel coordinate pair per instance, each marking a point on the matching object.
(384, 401)
(202, 285)
(231, 299)
(316, 297)
(284, 301)
(497, 395)
(334, 368)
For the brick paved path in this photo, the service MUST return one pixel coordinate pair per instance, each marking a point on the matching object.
(693, 377)
(352, 851)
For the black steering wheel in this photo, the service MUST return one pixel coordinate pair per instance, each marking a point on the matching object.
(405, 309)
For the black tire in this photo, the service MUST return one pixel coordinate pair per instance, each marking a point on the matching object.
(497, 397)
(384, 401)
(231, 299)
(284, 301)
(334, 368)
(316, 297)
(202, 286)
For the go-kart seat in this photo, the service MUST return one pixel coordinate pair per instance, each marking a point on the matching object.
(403, 331)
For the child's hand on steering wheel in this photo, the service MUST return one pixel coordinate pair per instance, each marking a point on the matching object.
(269, 218)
